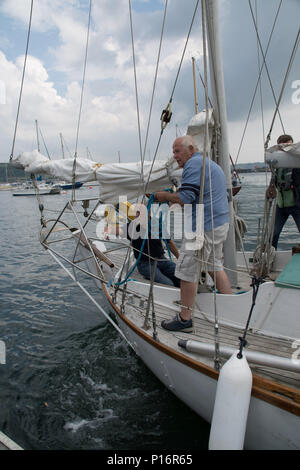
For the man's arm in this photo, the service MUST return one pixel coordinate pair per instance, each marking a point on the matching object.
(173, 248)
(165, 196)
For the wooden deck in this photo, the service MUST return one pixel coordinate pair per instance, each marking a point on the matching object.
(204, 331)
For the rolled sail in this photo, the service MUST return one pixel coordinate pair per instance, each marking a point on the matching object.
(284, 156)
(115, 179)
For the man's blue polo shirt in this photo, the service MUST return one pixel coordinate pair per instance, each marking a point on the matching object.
(190, 189)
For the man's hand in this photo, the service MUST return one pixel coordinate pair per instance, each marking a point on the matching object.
(166, 196)
(159, 196)
(162, 196)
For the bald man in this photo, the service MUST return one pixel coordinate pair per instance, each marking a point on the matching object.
(216, 225)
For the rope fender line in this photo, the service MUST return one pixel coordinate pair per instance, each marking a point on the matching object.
(256, 282)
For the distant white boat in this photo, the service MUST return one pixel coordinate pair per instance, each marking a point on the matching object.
(65, 186)
(27, 189)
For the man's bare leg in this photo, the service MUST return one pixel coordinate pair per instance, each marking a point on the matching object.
(222, 282)
(188, 292)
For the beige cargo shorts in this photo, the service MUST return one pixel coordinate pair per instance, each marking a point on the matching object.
(211, 255)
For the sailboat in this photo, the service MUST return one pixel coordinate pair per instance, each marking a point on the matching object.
(28, 189)
(63, 185)
(239, 368)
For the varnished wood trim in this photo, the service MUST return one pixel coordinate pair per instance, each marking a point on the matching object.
(284, 397)
(97, 252)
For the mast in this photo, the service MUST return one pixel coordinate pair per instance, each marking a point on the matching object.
(195, 90)
(62, 145)
(220, 114)
(37, 134)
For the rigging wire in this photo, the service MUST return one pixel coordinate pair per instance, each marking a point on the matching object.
(155, 78)
(46, 148)
(153, 92)
(152, 99)
(264, 55)
(83, 77)
(202, 81)
(137, 103)
(63, 141)
(184, 50)
(261, 48)
(81, 99)
(22, 83)
(296, 44)
(166, 114)
(260, 84)
(136, 88)
(37, 136)
(41, 206)
(268, 228)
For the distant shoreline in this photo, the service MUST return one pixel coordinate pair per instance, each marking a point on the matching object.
(252, 170)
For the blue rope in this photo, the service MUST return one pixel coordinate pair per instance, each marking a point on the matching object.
(151, 199)
(165, 241)
(150, 202)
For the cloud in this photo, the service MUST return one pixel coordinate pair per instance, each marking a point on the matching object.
(45, 15)
(53, 80)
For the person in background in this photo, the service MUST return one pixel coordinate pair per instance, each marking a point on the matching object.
(216, 225)
(146, 252)
(285, 183)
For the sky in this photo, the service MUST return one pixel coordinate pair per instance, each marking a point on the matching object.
(109, 123)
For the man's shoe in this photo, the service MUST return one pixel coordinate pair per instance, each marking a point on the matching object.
(176, 324)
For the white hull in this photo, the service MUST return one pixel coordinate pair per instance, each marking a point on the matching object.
(274, 414)
(268, 427)
(274, 419)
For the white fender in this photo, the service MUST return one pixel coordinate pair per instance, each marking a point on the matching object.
(232, 401)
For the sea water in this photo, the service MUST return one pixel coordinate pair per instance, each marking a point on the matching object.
(69, 380)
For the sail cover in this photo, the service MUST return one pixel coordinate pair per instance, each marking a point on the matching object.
(197, 129)
(115, 179)
(284, 156)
